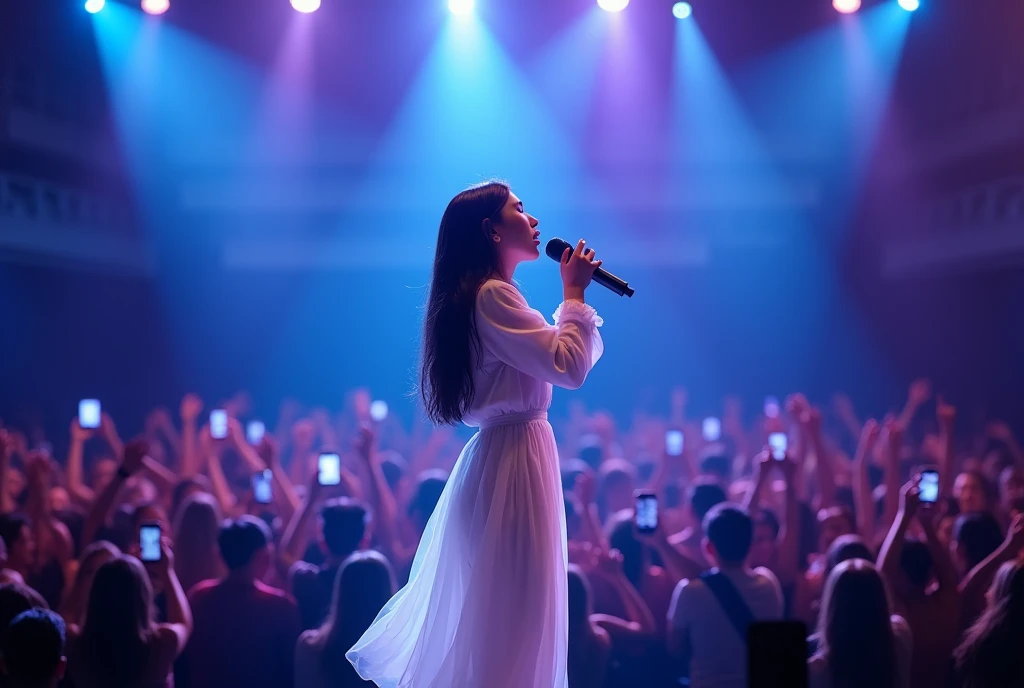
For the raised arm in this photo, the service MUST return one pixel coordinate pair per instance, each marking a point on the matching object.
(825, 473)
(639, 622)
(296, 535)
(787, 564)
(977, 581)
(382, 502)
(562, 354)
(190, 461)
(920, 392)
(590, 524)
(53, 540)
(947, 422)
(893, 447)
(179, 613)
(999, 430)
(889, 556)
(862, 494)
(77, 488)
(131, 462)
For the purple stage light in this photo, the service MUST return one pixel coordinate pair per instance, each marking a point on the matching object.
(846, 6)
(612, 5)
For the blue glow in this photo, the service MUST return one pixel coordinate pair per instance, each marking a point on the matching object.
(682, 10)
(460, 6)
(612, 5)
(910, 5)
(94, 6)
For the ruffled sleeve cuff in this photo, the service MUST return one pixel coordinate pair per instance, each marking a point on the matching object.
(578, 312)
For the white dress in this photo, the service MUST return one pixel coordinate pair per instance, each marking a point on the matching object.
(486, 605)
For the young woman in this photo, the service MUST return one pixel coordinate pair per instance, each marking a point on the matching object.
(364, 584)
(861, 645)
(990, 656)
(119, 644)
(486, 601)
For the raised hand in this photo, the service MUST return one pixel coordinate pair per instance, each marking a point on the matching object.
(920, 391)
(268, 451)
(79, 434)
(584, 489)
(946, 414)
(1015, 535)
(578, 266)
(364, 441)
(910, 497)
(134, 452)
(191, 407)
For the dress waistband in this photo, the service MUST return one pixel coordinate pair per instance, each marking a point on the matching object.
(513, 419)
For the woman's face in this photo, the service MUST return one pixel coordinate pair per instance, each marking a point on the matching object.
(970, 494)
(517, 229)
(762, 548)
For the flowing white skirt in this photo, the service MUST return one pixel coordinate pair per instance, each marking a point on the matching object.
(486, 605)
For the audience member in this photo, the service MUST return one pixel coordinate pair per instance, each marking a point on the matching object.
(990, 654)
(363, 585)
(245, 631)
(861, 643)
(709, 616)
(32, 653)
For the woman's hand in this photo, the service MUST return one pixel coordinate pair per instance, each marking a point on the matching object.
(577, 268)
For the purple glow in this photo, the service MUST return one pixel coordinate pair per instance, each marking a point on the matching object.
(612, 5)
(155, 6)
(306, 6)
(846, 6)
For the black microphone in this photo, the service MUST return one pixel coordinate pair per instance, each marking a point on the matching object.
(556, 247)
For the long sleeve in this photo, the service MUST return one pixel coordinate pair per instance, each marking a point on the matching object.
(520, 337)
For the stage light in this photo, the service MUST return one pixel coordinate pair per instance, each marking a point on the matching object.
(306, 6)
(460, 6)
(910, 5)
(612, 5)
(681, 10)
(94, 6)
(846, 6)
(155, 6)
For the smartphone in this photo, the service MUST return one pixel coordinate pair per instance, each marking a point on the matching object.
(712, 430)
(674, 442)
(378, 411)
(929, 486)
(777, 654)
(254, 431)
(89, 413)
(263, 487)
(149, 542)
(646, 511)
(218, 424)
(778, 443)
(771, 407)
(329, 469)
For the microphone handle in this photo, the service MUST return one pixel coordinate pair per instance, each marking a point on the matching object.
(610, 281)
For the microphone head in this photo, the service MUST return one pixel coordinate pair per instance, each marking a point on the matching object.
(555, 248)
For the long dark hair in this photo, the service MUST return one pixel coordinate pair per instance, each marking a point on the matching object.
(464, 259)
(364, 584)
(118, 625)
(855, 628)
(990, 652)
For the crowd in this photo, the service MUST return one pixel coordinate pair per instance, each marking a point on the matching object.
(249, 585)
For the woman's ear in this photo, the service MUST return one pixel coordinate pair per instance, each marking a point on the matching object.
(488, 226)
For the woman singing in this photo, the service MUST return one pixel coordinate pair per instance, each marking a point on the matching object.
(486, 605)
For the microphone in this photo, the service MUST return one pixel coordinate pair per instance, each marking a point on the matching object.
(556, 247)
